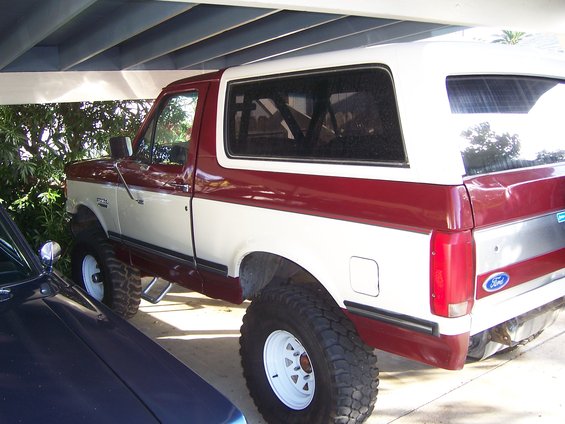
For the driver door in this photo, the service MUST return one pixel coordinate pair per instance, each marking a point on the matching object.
(154, 216)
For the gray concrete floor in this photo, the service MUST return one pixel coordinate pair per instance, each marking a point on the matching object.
(523, 386)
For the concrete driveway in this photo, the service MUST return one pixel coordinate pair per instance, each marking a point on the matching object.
(523, 386)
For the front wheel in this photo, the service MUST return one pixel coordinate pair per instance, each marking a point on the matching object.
(303, 360)
(95, 268)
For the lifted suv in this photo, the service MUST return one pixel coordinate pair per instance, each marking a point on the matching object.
(409, 198)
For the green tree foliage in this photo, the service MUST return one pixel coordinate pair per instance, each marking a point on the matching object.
(36, 141)
(550, 156)
(510, 37)
(489, 151)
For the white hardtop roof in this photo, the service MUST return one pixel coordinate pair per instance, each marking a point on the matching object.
(419, 71)
(447, 58)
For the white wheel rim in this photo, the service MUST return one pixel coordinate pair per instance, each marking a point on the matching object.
(91, 277)
(289, 370)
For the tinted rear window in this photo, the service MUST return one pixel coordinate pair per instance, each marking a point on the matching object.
(340, 116)
(508, 122)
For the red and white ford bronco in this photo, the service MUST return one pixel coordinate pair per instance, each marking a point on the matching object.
(409, 198)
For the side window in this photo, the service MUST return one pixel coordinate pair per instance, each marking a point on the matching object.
(167, 138)
(142, 151)
(342, 116)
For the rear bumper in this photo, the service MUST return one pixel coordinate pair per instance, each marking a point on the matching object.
(415, 340)
(439, 350)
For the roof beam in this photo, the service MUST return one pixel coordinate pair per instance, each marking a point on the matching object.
(128, 21)
(334, 30)
(43, 20)
(200, 23)
(272, 27)
(399, 32)
(533, 16)
(37, 59)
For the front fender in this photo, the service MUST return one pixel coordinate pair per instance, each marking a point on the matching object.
(99, 199)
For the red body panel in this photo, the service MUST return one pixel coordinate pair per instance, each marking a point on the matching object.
(410, 206)
(447, 352)
(221, 287)
(96, 170)
(525, 271)
(169, 270)
(516, 195)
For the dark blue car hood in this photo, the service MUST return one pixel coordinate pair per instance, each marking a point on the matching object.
(65, 358)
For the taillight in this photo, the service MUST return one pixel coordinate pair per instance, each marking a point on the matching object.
(452, 273)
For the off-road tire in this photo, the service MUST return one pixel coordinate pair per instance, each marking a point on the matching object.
(120, 287)
(344, 368)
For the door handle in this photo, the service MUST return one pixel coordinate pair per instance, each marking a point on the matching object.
(179, 186)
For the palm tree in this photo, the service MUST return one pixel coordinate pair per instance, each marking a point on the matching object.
(510, 37)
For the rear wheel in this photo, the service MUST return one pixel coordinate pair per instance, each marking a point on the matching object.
(303, 360)
(103, 276)
(288, 368)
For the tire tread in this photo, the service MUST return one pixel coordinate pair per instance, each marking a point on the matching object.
(125, 294)
(352, 363)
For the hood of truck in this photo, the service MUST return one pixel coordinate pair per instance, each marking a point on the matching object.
(97, 170)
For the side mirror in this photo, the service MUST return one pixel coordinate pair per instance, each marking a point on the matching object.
(49, 254)
(120, 147)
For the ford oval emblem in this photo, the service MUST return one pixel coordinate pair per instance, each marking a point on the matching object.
(496, 281)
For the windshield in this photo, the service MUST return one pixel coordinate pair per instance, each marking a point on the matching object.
(13, 265)
(508, 122)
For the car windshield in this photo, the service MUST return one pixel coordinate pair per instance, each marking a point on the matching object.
(14, 267)
(508, 122)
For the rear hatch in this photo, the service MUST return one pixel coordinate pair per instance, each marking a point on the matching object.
(512, 135)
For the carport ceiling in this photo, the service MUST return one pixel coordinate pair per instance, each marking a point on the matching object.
(104, 35)
(78, 37)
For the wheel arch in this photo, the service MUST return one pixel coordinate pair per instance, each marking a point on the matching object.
(85, 218)
(260, 268)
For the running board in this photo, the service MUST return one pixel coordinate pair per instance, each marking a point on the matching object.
(161, 292)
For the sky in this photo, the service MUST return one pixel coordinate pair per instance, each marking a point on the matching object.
(550, 42)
